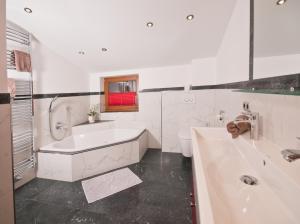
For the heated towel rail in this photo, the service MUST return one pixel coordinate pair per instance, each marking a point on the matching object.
(21, 109)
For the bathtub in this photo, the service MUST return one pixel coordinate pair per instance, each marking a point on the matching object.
(92, 150)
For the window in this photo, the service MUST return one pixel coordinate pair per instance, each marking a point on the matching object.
(121, 93)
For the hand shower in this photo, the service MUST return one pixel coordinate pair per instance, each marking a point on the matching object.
(52, 101)
(50, 122)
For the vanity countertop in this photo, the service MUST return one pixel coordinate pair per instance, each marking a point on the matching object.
(273, 152)
(220, 165)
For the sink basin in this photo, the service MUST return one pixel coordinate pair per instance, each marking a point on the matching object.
(219, 162)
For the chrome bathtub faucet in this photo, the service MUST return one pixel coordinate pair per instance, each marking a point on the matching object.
(291, 155)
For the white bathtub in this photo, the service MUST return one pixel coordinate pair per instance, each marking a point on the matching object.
(96, 151)
(79, 143)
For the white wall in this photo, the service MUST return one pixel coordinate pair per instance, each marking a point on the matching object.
(198, 72)
(233, 54)
(54, 74)
(160, 77)
(277, 65)
(203, 72)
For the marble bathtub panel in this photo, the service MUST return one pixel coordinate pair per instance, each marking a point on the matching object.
(100, 161)
(70, 110)
(182, 110)
(143, 145)
(6, 173)
(54, 166)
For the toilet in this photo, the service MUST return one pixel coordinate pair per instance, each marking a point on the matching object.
(185, 140)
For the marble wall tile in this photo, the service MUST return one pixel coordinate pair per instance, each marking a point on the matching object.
(165, 113)
(279, 114)
(182, 110)
(69, 110)
(150, 116)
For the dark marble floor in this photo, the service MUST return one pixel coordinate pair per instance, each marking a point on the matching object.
(162, 198)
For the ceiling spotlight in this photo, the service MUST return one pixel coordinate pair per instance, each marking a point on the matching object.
(81, 52)
(104, 49)
(150, 24)
(281, 2)
(28, 10)
(190, 17)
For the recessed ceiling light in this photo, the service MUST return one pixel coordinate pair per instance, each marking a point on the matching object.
(190, 17)
(281, 2)
(28, 10)
(81, 52)
(150, 24)
(104, 49)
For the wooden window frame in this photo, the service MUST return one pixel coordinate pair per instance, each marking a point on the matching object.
(125, 78)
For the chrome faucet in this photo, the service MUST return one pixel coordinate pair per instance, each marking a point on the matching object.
(291, 155)
(253, 119)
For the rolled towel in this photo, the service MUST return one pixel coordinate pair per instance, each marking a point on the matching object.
(243, 127)
(233, 129)
(240, 127)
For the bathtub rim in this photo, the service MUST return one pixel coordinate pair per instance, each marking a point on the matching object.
(144, 130)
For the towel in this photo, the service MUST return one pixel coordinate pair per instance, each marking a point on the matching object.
(11, 87)
(22, 61)
(241, 127)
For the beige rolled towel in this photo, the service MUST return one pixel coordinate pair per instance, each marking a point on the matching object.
(236, 129)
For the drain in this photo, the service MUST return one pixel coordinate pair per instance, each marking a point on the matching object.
(249, 180)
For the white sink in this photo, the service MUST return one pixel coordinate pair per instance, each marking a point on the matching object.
(222, 198)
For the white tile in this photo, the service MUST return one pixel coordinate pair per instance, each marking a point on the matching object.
(178, 115)
(70, 110)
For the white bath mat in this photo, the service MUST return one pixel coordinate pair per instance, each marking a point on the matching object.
(108, 184)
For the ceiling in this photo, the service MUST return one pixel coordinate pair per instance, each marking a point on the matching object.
(277, 30)
(69, 26)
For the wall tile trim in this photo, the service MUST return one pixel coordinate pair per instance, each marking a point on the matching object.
(4, 98)
(284, 82)
(51, 95)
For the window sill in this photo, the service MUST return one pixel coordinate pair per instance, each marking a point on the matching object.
(120, 111)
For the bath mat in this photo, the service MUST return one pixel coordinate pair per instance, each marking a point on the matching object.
(108, 184)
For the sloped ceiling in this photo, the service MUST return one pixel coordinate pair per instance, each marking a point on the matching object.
(69, 26)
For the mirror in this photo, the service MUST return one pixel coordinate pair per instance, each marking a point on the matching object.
(276, 38)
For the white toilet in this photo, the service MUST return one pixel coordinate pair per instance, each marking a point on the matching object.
(185, 140)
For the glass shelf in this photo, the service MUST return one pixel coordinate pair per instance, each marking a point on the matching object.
(271, 91)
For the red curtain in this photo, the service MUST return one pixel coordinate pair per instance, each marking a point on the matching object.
(122, 99)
